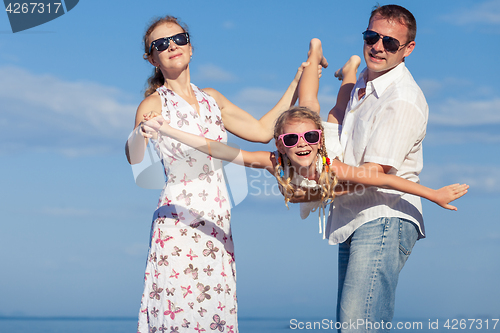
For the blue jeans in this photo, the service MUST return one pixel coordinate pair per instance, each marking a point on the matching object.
(369, 265)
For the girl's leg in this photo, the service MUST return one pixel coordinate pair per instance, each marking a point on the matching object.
(309, 82)
(348, 76)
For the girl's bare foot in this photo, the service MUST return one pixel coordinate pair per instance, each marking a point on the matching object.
(315, 48)
(349, 68)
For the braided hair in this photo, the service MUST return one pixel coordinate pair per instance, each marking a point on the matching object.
(327, 178)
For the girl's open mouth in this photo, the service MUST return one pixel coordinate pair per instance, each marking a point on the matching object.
(303, 153)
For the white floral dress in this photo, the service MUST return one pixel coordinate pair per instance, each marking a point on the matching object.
(190, 280)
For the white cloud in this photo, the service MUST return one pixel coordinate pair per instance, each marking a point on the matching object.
(493, 236)
(109, 213)
(213, 73)
(461, 136)
(96, 104)
(327, 100)
(257, 101)
(480, 178)
(43, 111)
(461, 119)
(46, 113)
(432, 87)
(136, 249)
(65, 212)
(454, 112)
(484, 13)
(228, 25)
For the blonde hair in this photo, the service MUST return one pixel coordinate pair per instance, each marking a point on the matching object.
(156, 80)
(327, 178)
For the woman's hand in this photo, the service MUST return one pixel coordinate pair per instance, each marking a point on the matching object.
(296, 79)
(150, 115)
(447, 194)
(301, 69)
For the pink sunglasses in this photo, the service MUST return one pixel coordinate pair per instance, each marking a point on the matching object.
(292, 139)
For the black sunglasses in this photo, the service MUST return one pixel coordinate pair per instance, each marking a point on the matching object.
(162, 44)
(391, 44)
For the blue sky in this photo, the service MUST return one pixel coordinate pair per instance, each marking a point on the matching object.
(74, 227)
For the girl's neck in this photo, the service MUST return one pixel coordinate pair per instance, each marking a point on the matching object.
(309, 172)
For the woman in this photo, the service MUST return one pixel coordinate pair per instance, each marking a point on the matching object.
(190, 274)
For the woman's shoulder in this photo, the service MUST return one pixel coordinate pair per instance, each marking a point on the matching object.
(210, 91)
(150, 103)
(216, 95)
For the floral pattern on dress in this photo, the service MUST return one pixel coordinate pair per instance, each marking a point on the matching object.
(190, 279)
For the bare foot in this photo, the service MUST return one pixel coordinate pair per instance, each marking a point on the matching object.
(315, 49)
(349, 68)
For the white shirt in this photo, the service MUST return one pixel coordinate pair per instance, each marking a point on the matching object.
(386, 127)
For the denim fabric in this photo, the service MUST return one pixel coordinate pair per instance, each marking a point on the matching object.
(369, 265)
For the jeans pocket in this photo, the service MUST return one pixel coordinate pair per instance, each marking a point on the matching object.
(407, 236)
(403, 250)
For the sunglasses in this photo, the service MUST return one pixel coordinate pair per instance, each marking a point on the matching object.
(391, 44)
(292, 139)
(162, 44)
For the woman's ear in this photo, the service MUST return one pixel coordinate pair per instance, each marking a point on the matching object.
(151, 60)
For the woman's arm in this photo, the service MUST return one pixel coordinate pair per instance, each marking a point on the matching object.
(244, 125)
(257, 159)
(137, 141)
(371, 177)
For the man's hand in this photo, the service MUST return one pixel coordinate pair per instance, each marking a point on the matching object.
(302, 194)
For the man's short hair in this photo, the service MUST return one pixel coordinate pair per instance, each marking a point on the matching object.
(399, 14)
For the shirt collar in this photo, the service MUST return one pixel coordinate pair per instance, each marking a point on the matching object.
(380, 84)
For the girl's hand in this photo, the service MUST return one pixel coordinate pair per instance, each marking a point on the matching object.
(449, 193)
(151, 127)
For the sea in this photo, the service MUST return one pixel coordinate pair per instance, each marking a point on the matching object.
(117, 325)
(246, 325)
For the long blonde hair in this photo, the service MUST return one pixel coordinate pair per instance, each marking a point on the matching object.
(327, 178)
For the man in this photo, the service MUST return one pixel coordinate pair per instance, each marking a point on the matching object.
(383, 129)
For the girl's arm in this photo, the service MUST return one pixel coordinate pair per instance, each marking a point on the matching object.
(257, 159)
(244, 125)
(369, 176)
